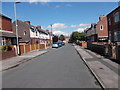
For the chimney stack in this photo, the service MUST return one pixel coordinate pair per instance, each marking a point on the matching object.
(27, 22)
(47, 30)
(39, 27)
(101, 17)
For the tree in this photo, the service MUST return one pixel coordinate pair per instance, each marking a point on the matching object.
(62, 37)
(77, 36)
(55, 38)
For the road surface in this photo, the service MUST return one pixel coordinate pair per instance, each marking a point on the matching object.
(59, 68)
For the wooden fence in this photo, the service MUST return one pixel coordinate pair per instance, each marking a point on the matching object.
(28, 48)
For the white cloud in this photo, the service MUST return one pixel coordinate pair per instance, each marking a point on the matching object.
(80, 25)
(57, 6)
(60, 32)
(68, 5)
(74, 26)
(57, 26)
(80, 29)
(32, 1)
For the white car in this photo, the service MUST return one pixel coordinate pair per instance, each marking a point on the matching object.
(55, 45)
(73, 44)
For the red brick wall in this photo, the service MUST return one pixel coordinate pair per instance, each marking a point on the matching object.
(6, 24)
(114, 26)
(104, 32)
(22, 27)
(8, 54)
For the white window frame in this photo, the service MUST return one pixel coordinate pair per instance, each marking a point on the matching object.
(102, 27)
(24, 33)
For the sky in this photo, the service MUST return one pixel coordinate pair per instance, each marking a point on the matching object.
(65, 17)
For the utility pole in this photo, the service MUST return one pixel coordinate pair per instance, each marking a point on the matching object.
(51, 35)
(16, 27)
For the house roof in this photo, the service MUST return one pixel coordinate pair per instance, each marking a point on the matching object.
(114, 10)
(1, 15)
(34, 27)
(6, 34)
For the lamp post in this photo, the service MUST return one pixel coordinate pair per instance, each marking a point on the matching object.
(16, 27)
(51, 34)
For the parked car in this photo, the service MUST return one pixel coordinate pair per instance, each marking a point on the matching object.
(60, 44)
(73, 44)
(55, 45)
(63, 43)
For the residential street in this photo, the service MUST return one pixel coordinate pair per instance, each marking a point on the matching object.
(59, 68)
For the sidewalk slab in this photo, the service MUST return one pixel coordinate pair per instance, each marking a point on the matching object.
(106, 74)
(15, 61)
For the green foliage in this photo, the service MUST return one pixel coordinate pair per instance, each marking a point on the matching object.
(62, 37)
(77, 36)
(6, 47)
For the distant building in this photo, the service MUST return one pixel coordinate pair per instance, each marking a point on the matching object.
(6, 33)
(102, 27)
(114, 25)
(31, 34)
(91, 33)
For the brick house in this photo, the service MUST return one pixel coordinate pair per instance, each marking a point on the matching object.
(102, 27)
(31, 34)
(6, 33)
(23, 31)
(91, 33)
(114, 25)
(39, 36)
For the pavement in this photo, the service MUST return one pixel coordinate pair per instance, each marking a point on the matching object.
(16, 61)
(59, 68)
(105, 70)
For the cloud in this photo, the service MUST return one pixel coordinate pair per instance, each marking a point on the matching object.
(34, 1)
(68, 5)
(74, 26)
(80, 25)
(60, 32)
(80, 29)
(58, 26)
(57, 6)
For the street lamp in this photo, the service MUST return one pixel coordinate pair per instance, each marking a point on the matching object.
(16, 26)
(51, 33)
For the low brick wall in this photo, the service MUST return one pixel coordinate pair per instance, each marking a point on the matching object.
(8, 54)
(84, 44)
(100, 49)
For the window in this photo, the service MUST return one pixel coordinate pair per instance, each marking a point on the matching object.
(116, 17)
(24, 33)
(110, 36)
(109, 21)
(36, 33)
(117, 36)
(101, 27)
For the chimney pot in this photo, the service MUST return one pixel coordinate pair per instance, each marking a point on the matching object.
(27, 22)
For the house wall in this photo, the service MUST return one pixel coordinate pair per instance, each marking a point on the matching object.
(6, 24)
(37, 37)
(115, 26)
(22, 29)
(104, 32)
(0, 23)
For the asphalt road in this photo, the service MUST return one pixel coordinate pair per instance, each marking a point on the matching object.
(59, 68)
